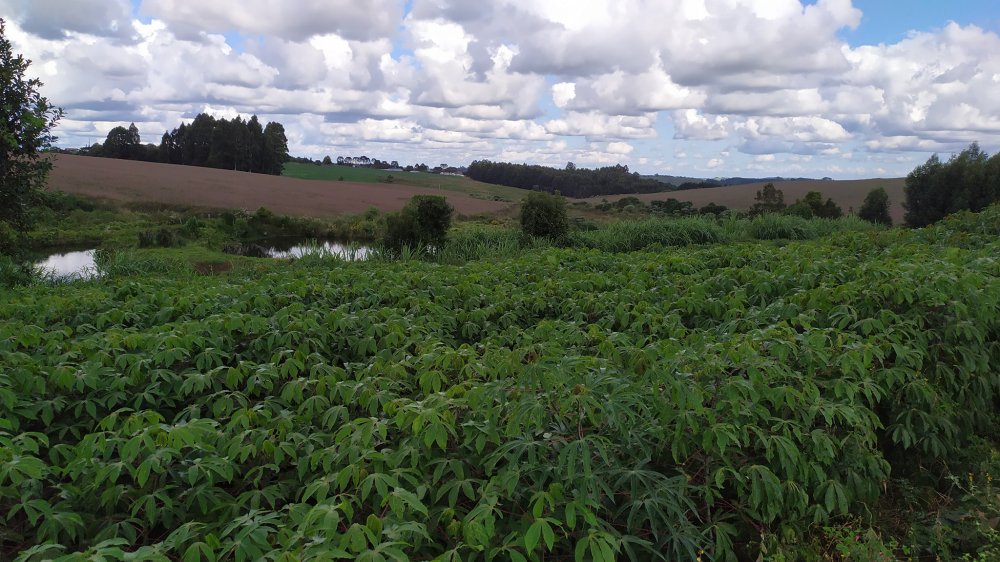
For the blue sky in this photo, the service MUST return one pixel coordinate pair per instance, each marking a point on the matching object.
(703, 88)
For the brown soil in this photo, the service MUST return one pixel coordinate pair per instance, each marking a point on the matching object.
(848, 194)
(143, 182)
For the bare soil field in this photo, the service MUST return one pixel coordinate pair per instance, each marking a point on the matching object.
(848, 194)
(144, 182)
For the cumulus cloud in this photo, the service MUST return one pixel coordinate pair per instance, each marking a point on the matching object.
(298, 22)
(57, 19)
(602, 81)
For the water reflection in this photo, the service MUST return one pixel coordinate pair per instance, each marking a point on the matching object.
(70, 264)
(297, 249)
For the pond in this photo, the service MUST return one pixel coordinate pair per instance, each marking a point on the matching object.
(63, 264)
(285, 248)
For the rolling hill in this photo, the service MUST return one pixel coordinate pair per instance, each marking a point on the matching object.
(130, 181)
(846, 193)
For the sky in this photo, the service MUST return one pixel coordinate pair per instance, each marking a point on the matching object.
(703, 88)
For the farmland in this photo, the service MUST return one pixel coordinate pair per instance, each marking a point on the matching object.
(144, 182)
(457, 184)
(782, 399)
(848, 194)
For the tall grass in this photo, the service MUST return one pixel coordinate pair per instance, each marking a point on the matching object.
(481, 243)
(628, 235)
(130, 263)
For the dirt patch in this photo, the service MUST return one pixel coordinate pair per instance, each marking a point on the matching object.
(848, 194)
(127, 181)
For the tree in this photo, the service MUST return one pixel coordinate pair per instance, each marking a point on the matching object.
(968, 181)
(543, 214)
(768, 200)
(875, 209)
(275, 149)
(327, 161)
(26, 122)
(816, 207)
(122, 143)
(424, 220)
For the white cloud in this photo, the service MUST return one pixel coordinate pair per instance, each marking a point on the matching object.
(620, 148)
(304, 19)
(481, 79)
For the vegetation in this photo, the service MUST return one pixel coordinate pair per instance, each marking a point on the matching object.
(724, 402)
(812, 205)
(423, 222)
(458, 184)
(970, 180)
(571, 181)
(876, 207)
(769, 199)
(207, 142)
(26, 122)
(544, 215)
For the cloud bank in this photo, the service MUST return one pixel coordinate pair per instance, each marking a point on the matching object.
(736, 86)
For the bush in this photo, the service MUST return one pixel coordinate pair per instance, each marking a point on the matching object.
(424, 221)
(776, 227)
(544, 215)
(159, 238)
(875, 209)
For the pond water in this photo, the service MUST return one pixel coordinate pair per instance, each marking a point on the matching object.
(296, 248)
(65, 263)
(70, 264)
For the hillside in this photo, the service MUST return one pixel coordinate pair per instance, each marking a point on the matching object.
(460, 184)
(848, 193)
(129, 181)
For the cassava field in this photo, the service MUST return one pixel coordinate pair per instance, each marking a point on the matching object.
(825, 399)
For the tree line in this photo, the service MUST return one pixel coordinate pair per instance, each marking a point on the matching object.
(237, 144)
(571, 181)
(969, 180)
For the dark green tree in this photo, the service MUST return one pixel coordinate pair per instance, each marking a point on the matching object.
(424, 221)
(275, 149)
(970, 180)
(768, 200)
(544, 214)
(817, 207)
(26, 122)
(123, 143)
(875, 209)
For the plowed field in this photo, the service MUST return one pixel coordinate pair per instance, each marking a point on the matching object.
(127, 181)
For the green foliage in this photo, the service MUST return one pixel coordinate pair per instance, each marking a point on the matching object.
(771, 226)
(769, 199)
(424, 221)
(627, 236)
(817, 207)
(544, 215)
(26, 122)
(875, 208)
(724, 402)
(158, 238)
(970, 180)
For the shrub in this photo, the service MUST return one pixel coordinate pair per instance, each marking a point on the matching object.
(777, 227)
(159, 238)
(544, 215)
(875, 209)
(425, 220)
